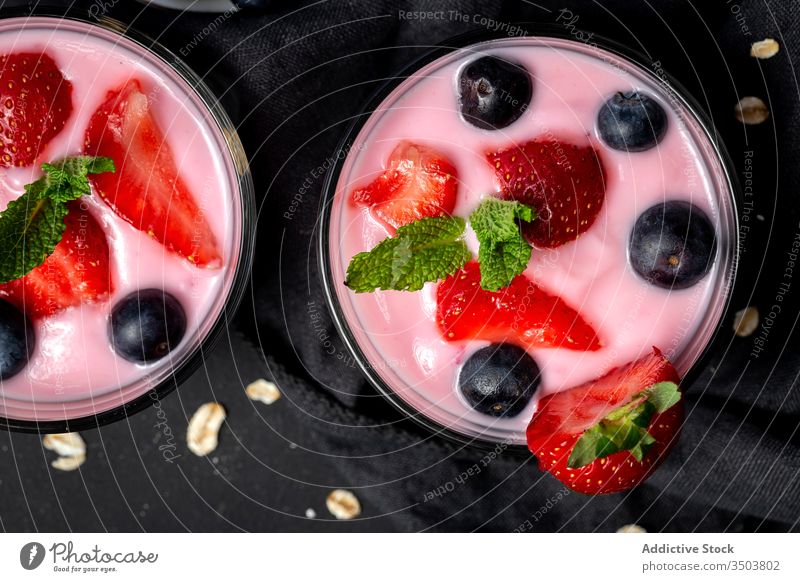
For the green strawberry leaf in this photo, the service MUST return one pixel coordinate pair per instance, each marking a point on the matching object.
(625, 428)
(663, 395)
(426, 250)
(32, 225)
(504, 253)
(587, 448)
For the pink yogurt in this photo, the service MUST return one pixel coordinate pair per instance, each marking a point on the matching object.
(397, 330)
(74, 371)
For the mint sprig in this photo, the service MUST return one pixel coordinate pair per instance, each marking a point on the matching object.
(424, 251)
(625, 429)
(431, 249)
(504, 253)
(32, 225)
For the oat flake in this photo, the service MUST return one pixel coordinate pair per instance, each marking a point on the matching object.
(68, 463)
(765, 49)
(631, 528)
(65, 444)
(263, 391)
(202, 436)
(746, 321)
(343, 504)
(751, 111)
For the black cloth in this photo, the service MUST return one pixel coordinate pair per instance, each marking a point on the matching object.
(294, 76)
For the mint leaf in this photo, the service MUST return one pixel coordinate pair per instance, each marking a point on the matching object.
(496, 220)
(30, 229)
(32, 225)
(68, 179)
(625, 428)
(424, 251)
(504, 253)
(501, 262)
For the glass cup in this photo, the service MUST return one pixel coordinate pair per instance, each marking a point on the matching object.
(51, 410)
(440, 411)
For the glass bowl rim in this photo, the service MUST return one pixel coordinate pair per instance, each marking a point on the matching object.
(467, 40)
(461, 41)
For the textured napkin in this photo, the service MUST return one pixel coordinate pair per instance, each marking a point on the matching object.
(293, 77)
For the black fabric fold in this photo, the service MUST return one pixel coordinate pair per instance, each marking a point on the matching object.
(293, 78)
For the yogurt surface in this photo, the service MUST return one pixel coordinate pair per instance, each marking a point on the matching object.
(397, 331)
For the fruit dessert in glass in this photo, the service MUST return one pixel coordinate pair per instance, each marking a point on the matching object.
(125, 222)
(531, 242)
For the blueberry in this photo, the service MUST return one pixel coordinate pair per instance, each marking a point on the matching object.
(672, 245)
(16, 340)
(631, 122)
(494, 92)
(146, 325)
(499, 380)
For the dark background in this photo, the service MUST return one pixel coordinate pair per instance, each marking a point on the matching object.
(291, 78)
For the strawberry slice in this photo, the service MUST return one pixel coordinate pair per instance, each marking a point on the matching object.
(418, 183)
(563, 181)
(609, 434)
(77, 271)
(35, 103)
(147, 190)
(522, 312)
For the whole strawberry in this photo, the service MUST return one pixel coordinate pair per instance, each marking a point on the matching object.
(564, 182)
(35, 103)
(609, 434)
